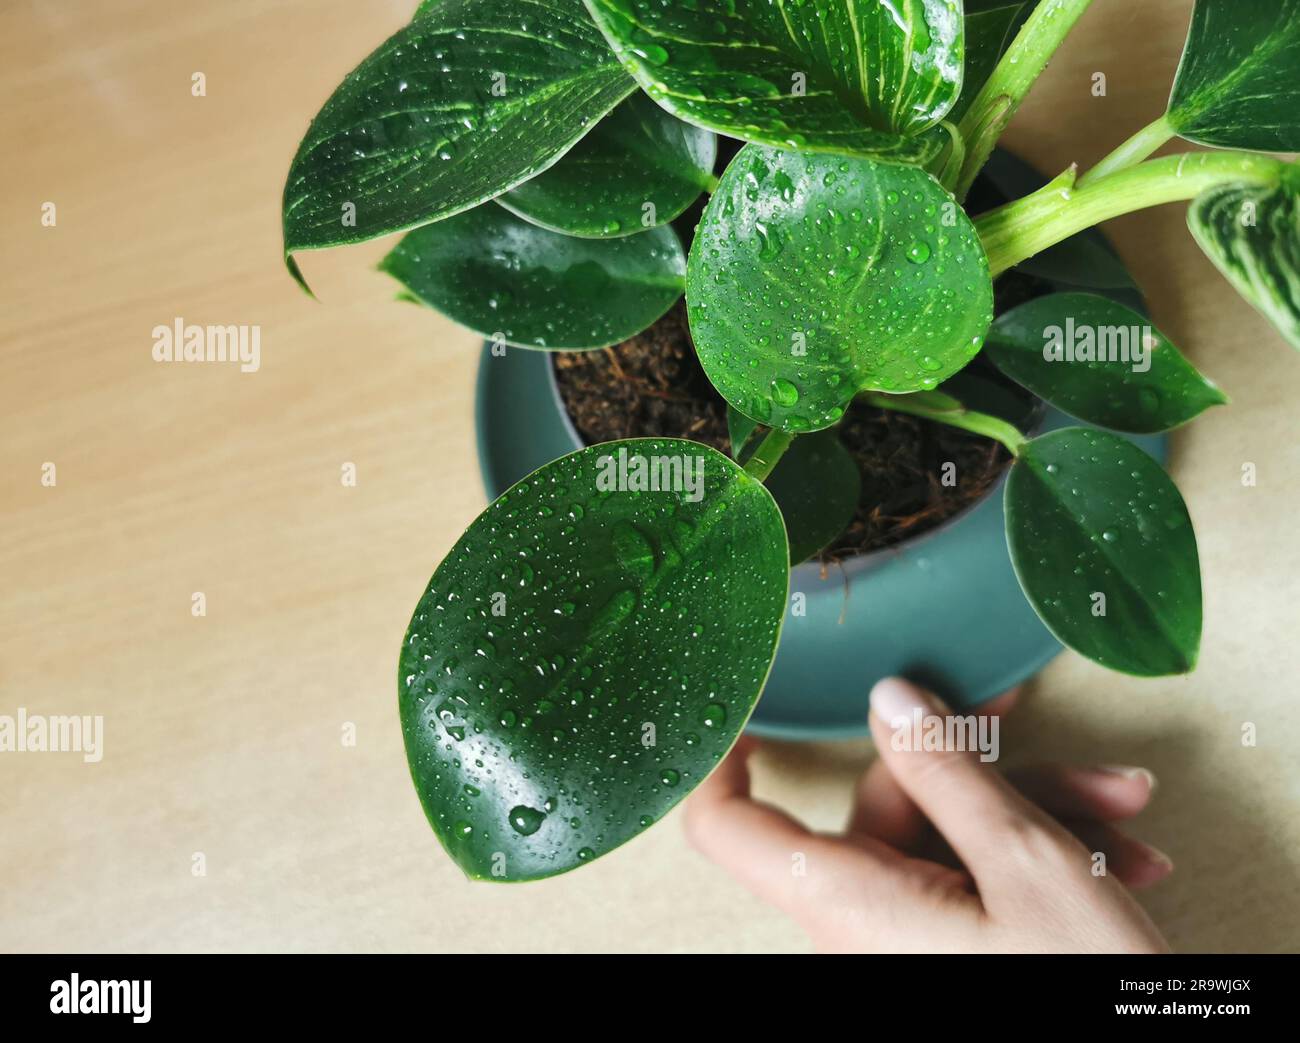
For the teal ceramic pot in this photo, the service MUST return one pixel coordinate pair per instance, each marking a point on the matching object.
(944, 608)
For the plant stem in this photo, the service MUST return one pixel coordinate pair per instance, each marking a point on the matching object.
(934, 405)
(1058, 210)
(1139, 147)
(951, 168)
(769, 451)
(1029, 53)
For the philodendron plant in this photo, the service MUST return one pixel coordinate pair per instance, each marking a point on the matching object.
(596, 640)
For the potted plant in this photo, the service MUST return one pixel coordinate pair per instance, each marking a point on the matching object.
(597, 639)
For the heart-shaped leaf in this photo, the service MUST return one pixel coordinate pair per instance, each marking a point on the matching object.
(991, 25)
(816, 483)
(1237, 85)
(813, 277)
(1252, 233)
(848, 76)
(520, 284)
(1103, 547)
(588, 652)
(1099, 361)
(639, 168)
(465, 102)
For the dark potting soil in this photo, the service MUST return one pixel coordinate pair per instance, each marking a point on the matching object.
(653, 385)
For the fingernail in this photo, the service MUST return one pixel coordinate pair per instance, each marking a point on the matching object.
(894, 697)
(1130, 772)
(1158, 857)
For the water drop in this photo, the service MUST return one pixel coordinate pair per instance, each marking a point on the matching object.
(784, 393)
(525, 820)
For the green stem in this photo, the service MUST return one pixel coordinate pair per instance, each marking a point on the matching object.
(1059, 209)
(950, 171)
(997, 101)
(933, 405)
(769, 451)
(1139, 147)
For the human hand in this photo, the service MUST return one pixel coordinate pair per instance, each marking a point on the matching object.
(1010, 877)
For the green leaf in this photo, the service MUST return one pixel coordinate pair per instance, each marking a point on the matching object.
(813, 277)
(1252, 233)
(817, 484)
(991, 25)
(638, 157)
(739, 430)
(515, 282)
(1099, 361)
(583, 657)
(1104, 549)
(460, 105)
(1237, 85)
(847, 76)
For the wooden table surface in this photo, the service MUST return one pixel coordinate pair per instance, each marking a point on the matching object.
(224, 732)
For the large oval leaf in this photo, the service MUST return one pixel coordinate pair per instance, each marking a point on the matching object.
(515, 282)
(1252, 233)
(639, 168)
(468, 100)
(813, 277)
(584, 656)
(1103, 547)
(850, 76)
(1099, 361)
(1237, 85)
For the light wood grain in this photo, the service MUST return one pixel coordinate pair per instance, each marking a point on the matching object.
(223, 733)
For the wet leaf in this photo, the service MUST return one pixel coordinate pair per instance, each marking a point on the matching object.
(1104, 549)
(846, 76)
(1252, 234)
(583, 657)
(638, 169)
(458, 106)
(813, 277)
(515, 282)
(1237, 85)
(1099, 361)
